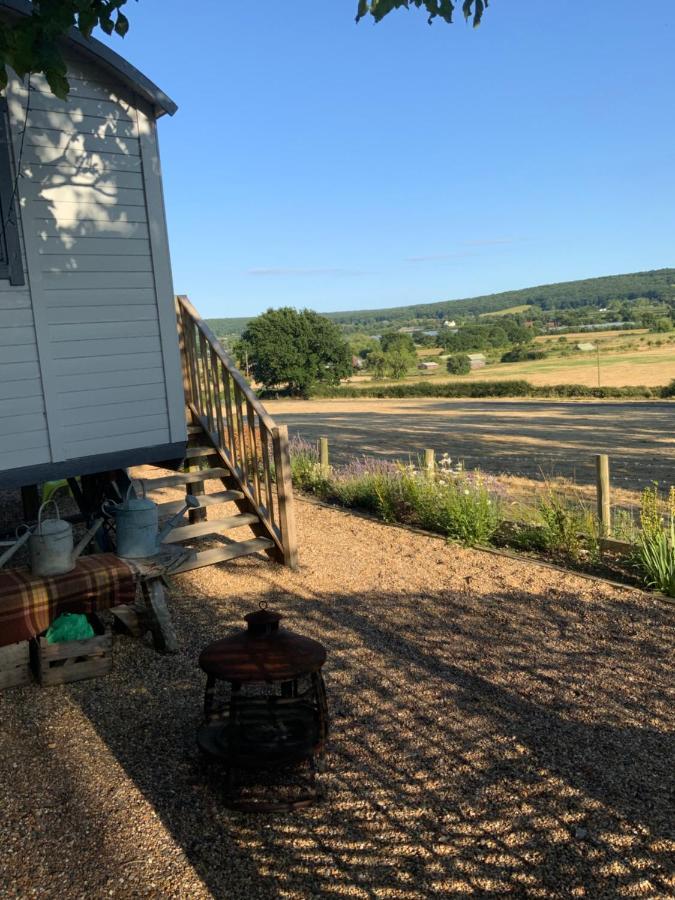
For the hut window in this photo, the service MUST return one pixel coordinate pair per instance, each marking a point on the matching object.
(11, 266)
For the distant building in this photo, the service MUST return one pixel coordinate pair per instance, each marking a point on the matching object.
(449, 323)
(477, 360)
(586, 347)
(427, 366)
(357, 362)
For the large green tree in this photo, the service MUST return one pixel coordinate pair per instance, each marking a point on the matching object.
(397, 341)
(295, 350)
(32, 43)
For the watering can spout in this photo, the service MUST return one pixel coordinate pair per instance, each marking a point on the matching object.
(85, 540)
(191, 502)
(8, 554)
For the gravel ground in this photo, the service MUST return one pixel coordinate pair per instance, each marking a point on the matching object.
(498, 728)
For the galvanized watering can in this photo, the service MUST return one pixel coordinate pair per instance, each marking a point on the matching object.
(51, 545)
(137, 524)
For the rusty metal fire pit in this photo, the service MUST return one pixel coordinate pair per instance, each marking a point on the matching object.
(275, 713)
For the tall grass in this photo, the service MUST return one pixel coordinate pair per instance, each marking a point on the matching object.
(569, 527)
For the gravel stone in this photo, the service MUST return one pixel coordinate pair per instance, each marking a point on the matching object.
(498, 728)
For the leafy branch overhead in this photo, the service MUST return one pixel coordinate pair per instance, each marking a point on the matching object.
(32, 43)
(378, 9)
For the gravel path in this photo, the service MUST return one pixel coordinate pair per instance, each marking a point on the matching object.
(498, 728)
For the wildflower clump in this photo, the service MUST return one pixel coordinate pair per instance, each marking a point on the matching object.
(465, 506)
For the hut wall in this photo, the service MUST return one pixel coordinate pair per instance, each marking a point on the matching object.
(94, 328)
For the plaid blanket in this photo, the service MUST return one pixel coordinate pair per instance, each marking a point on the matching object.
(29, 604)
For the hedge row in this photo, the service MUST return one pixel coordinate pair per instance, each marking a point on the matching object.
(481, 389)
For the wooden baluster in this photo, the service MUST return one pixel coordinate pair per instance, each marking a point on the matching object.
(255, 456)
(206, 374)
(282, 463)
(231, 425)
(187, 390)
(198, 379)
(238, 400)
(217, 389)
(269, 497)
(192, 358)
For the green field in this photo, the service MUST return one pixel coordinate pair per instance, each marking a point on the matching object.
(626, 359)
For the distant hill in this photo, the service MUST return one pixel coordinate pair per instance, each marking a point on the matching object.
(658, 284)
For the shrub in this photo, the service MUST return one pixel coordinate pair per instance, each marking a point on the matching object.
(305, 470)
(486, 389)
(460, 364)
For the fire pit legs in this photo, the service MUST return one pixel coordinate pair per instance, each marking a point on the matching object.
(234, 800)
(276, 716)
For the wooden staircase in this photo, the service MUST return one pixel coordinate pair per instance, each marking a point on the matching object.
(236, 456)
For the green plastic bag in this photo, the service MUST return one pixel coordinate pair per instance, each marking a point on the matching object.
(69, 627)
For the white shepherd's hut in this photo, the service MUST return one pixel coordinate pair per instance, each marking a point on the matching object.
(99, 363)
(89, 358)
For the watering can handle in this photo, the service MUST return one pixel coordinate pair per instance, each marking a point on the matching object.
(131, 487)
(46, 503)
(106, 508)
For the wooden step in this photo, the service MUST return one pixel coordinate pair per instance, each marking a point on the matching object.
(195, 429)
(201, 558)
(199, 452)
(182, 478)
(186, 532)
(174, 506)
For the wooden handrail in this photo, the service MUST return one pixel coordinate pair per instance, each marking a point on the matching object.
(251, 446)
(226, 360)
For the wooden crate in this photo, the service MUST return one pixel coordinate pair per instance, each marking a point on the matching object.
(15, 665)
(73, 660)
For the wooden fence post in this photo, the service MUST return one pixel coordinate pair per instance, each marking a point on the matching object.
(429, 463)
(323, 456)
(604, 502)
(282, 465)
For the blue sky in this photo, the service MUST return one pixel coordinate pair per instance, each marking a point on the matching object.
(315, 162)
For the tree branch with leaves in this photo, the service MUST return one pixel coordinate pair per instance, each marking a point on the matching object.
(33, 43)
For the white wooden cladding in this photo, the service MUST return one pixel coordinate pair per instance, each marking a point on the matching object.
(107, 376)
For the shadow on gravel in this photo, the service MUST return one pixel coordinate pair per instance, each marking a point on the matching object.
(477, 749)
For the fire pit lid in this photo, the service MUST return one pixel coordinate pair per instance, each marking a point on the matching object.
(264, 652)
(263, 620)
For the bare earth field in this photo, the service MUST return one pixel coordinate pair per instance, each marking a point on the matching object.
(529, 439)
(498, 729)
